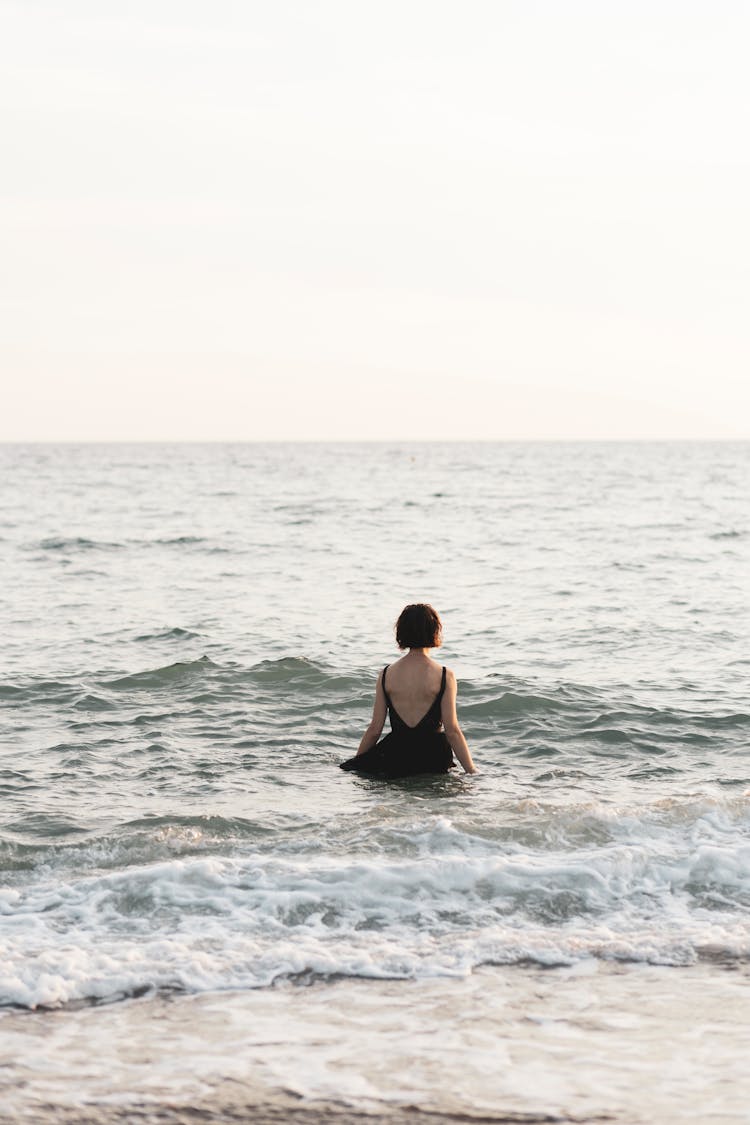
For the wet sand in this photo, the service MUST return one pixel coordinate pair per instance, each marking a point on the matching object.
(595, 1043)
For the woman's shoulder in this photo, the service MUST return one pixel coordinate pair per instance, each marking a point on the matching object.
(450, 676)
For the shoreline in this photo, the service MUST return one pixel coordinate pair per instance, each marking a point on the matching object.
(275, 1111)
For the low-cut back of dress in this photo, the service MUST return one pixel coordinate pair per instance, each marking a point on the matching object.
(407, 751)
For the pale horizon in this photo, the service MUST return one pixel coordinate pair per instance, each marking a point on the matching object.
(378, 441)
(402, 222)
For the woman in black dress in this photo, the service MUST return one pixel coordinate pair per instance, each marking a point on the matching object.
(419, 695)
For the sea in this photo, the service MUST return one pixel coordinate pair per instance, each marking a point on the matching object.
(202, 918)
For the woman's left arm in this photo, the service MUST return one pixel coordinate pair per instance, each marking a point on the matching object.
(453, 732)
(372, 734)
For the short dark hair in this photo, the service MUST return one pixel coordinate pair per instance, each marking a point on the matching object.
(419, 626)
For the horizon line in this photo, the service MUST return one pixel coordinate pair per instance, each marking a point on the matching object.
(383, 441)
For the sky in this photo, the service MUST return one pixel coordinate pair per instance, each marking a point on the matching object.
(374, 220)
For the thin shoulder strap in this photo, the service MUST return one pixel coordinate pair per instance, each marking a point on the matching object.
(385, 689)
(442, 683)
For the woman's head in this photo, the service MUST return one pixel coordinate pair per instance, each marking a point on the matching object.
(419, 626)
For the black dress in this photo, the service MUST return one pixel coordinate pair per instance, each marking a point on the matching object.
(407, 750)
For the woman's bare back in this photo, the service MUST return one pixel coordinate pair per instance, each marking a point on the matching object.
(412, 684)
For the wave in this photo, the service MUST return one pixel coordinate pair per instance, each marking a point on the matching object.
(175, 541)
(133, 843)
(304, 675)
(175, 634)
(295, 671)
(76, 543)
(41, 690)
(424, 898)
(90, 701)
(509, 704)
(199, 542)
(157, 678)
(77, 693)
(528, 823)
(70, 544)
(283, 669)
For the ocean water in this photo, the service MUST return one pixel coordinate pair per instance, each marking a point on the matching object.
(198, 908)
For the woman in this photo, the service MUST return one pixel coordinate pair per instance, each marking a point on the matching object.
(420, 697)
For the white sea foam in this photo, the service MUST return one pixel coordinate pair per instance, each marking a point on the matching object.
(441, 903)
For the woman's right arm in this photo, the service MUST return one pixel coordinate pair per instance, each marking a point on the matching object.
(453, 732)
